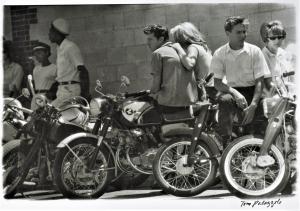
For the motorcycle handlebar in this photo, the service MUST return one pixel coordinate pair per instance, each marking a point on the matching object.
(209, 77)
(25, 110)
(288, 74)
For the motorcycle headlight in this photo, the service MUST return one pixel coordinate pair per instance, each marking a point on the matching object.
(40, 101)
(98, 105)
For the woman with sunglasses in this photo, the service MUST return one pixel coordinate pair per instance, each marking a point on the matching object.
(273, 35)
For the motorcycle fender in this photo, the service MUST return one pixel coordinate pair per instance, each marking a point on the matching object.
(73, 137)
(189, 131)
(65, 142)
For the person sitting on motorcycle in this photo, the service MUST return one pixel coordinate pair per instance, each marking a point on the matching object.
(173, 86)
(244, 67)
(278, 60)
(273, 35)
(44, 73)
(193, 52)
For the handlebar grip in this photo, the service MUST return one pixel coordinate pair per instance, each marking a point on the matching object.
(288, 74)
(208, 78)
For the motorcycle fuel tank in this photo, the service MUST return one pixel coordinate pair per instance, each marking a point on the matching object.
(140, 113)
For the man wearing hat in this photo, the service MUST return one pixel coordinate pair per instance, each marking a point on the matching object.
(44, 72)
(72, 76)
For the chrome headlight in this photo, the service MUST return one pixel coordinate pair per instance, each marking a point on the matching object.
(40, 100)
(98, 105)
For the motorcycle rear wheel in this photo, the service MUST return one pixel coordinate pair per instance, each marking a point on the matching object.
(71, 176)
(262, 182)
(174, 178)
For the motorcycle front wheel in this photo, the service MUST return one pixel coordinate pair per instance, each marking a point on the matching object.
(244, 178)
(172, 174)
(72, 176)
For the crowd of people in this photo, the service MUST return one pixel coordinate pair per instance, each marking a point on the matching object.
(181, 59)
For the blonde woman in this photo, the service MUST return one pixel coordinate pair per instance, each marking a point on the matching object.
(192, 50)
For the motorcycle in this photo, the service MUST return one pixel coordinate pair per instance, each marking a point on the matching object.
(187, 164)
(10, 118)
(126, 136)
(45, 127)
(239, 168)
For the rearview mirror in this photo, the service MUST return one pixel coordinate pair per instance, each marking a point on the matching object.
(125, 80)
(99, 85)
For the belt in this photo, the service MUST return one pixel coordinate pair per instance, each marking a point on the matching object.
(68, 82)
(41, 91)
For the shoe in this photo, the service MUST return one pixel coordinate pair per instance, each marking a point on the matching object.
(265, 160)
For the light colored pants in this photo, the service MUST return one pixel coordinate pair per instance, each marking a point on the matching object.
(66, 92)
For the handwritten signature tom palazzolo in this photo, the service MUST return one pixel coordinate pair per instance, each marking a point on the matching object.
(261, 203)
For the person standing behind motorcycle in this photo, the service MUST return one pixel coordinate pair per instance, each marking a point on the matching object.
(173, 86)
(193, 52)
(244, 67)
(12, 75)
(44, 73)
(273, 35)
(72, 75)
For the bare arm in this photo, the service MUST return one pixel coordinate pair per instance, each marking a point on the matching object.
(84, 81)
(187, 59)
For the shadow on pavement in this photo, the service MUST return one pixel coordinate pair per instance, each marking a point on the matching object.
(135, 196)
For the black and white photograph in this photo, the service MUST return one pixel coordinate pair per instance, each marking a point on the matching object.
(149, 105)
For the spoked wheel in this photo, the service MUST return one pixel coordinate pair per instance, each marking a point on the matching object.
(175, 177)
(244, 178)
(10, 153)
(72, 175)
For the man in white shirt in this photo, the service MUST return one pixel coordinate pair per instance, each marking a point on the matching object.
(72, 76)
(244, 67)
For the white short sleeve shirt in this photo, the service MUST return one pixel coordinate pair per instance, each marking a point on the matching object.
(278, 63)
(241, 68)
(68, 59)
(44, 77)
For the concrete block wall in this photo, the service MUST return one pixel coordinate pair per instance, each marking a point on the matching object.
(113, 44)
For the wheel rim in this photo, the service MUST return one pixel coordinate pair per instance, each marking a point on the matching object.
(77, 178)
(174, 174)
(242, 173)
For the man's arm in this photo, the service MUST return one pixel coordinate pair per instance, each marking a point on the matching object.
(156, 65)
(250, 110)
(84, 81)
(239, 98)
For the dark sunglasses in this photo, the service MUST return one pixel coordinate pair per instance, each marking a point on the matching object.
(277, 37)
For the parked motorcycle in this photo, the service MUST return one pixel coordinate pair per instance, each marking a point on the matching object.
(11, 115)
(128, 131)
(240, 171)
(187, 164)
(46, 127)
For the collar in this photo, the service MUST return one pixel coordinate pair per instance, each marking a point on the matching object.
(167, 44)
(245, 48)
(63, 43)
(280, 52)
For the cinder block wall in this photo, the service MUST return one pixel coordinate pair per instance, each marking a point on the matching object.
(113, 44)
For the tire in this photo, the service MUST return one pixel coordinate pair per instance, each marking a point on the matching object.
(162, 179)
(10, 153)
(242, 191)
(60, 172)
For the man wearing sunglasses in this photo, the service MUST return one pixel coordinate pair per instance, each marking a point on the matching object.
(273, 35)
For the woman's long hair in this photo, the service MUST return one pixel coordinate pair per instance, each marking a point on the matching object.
(186, 33)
